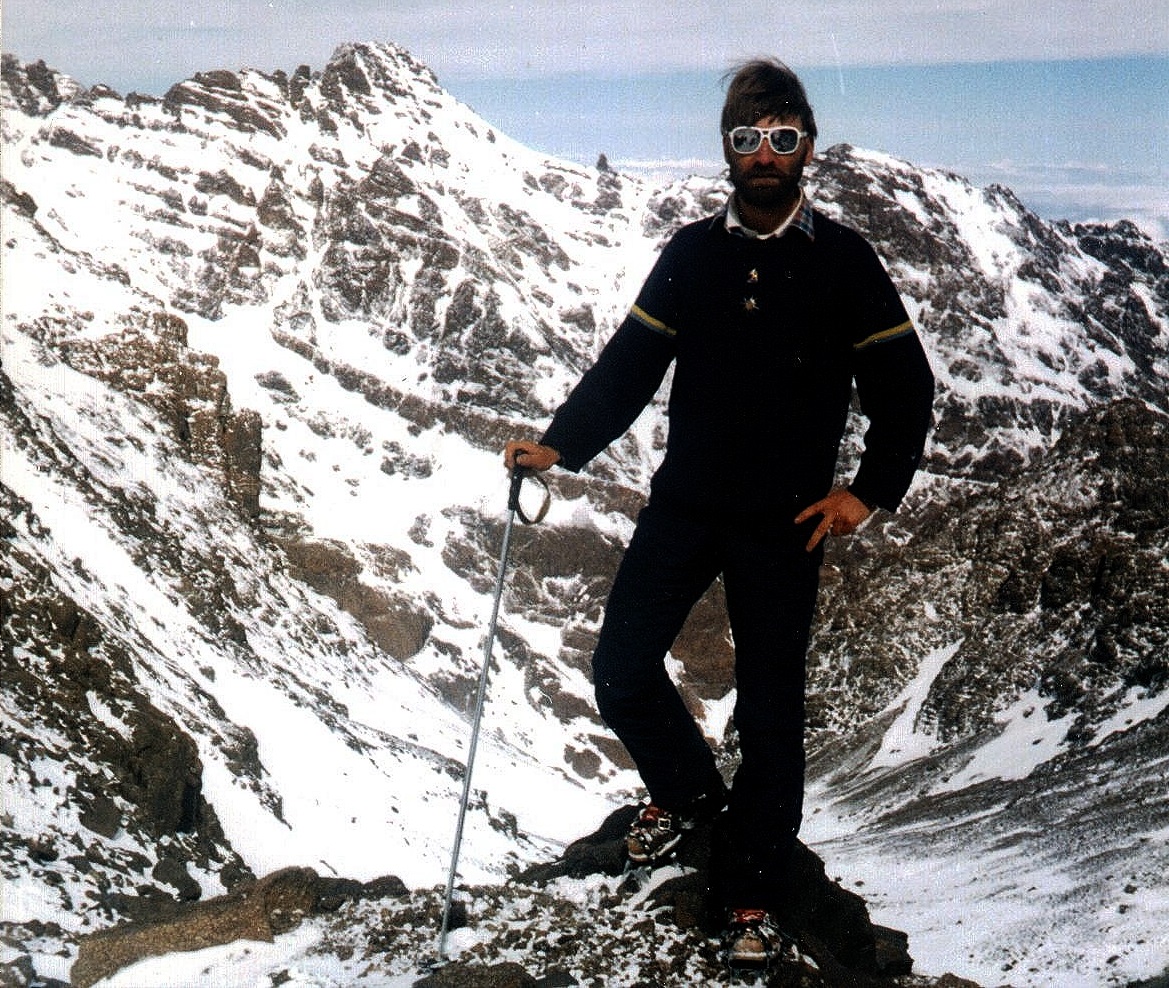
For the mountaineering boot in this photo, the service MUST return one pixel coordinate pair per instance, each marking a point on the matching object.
(656, 832)
(752, 940)
(653, 835)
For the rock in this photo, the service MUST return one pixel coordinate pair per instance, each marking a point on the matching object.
(102, 816)
(396, 624)
(506, 975)
(148, 357)
(17, 971)
(172, 871)
(23, 202)
(256, 911)
(833, 919)
(953, 981)
(386, 887)
(892, 951)
(601, 852)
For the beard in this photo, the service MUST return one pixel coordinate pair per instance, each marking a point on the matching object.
(763, 187)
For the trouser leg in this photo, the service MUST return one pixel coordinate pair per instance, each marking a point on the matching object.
(771, 595)
(668, 565)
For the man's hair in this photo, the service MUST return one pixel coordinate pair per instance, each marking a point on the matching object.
(765, 88)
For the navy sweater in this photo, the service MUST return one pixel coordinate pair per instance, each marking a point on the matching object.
(768, 338)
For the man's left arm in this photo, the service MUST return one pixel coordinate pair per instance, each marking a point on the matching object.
(895, 386)
(896, 389)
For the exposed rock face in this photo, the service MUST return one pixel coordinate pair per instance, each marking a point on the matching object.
(259, 910)
(978, 282)
(82, 692)
(149, 359)
(821, 912)
(395, 623)
(35, 88)
(1051, 580)
(652, 927)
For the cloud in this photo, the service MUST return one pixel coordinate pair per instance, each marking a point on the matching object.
(1086, 193)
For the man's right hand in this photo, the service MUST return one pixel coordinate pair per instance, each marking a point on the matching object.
(529, 455)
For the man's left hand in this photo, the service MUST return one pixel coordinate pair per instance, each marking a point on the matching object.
(842, 512)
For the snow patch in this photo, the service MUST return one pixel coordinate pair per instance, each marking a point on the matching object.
(1026, 740)
(903, 742)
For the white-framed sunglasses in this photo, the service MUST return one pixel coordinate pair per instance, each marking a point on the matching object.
(783, 140)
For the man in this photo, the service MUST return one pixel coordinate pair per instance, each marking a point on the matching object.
(770, 313)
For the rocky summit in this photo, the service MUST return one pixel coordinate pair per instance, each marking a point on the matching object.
(263, 340)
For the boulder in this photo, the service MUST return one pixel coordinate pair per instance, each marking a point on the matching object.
(831, 922)
(258, 910)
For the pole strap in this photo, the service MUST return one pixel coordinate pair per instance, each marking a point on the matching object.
(518, 475)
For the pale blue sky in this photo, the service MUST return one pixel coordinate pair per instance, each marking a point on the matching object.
(147, 44)
(1067, 101)
(1076, 139)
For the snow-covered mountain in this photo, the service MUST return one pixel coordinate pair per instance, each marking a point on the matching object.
(263, 341)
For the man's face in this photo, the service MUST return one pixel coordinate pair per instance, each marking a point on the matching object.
(765, 179)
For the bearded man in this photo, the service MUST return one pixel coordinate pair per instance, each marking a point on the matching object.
(771, 314)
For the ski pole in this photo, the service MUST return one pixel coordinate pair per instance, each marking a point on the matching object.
(513, 508)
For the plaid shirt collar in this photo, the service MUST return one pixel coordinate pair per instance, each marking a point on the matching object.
(800, 219)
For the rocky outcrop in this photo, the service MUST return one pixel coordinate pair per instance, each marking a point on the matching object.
(395, 623)
(259, 910)
(36, 88)
(652, 928)
(1052, 578)
(976, 284)
(141, 775)
(148, 358)
(833, 920)
(586, 918)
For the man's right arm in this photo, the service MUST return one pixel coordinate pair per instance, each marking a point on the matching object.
(626, 375)
(611, 394)
(607, 400)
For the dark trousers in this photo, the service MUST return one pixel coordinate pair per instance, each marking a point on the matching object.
(770, 582)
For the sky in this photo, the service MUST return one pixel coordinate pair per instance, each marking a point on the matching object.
(1065, 101)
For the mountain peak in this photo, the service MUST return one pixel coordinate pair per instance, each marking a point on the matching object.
(33, 89)
(383, 65)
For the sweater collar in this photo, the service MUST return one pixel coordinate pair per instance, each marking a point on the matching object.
(800, 219)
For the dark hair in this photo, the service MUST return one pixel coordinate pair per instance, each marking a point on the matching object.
(765, 88)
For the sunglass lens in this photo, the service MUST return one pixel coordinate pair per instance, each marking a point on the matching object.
(746, 140)
(784, 140)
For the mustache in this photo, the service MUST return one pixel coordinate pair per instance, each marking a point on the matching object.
(765, 171)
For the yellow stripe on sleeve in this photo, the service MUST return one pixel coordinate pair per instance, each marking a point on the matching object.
(650, 322)
(888, 334)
